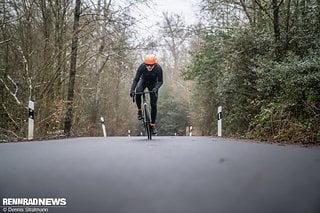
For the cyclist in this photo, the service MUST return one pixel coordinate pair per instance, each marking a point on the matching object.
(148, 75)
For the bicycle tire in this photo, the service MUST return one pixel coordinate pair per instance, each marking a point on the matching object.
(147, 123)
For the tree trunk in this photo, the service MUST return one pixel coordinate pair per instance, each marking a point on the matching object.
(60, 25)
(318, 13)
(276, 28)
(287, 23)
(72, 74)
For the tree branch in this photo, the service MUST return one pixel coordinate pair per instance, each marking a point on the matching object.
(9, 115)
(263, 9)
(5, 41)
(14, 94)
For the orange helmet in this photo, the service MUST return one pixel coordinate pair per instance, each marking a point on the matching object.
(150, 59)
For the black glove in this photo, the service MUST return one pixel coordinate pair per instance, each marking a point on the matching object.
(154, 90)
(132, 93)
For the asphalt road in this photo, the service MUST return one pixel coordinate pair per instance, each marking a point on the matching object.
(165, 175)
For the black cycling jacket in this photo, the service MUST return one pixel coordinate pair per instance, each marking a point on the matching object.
(153, 78)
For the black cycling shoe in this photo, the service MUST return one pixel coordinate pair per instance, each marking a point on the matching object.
(154, 130)
(140, 115)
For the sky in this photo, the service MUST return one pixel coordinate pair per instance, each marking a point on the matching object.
(150, 16)
(188, 8)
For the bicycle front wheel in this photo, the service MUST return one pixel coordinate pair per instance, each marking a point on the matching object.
(147, 123)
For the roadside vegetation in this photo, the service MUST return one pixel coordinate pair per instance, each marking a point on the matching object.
(259, 60)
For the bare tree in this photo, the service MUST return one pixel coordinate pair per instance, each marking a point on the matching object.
(73, 65)
(175, 34)
(35, 39)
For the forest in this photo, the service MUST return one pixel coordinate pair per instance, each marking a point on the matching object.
(258, 59)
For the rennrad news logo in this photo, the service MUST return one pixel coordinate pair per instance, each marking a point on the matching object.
(34, 202)
(31, 204)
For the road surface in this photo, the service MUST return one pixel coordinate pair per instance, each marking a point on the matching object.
(165, 175)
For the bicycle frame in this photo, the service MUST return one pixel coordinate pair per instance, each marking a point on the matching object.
(146, 121)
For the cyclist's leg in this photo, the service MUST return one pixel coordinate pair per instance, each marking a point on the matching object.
(153, 100)
(139, 88)
(153, 104)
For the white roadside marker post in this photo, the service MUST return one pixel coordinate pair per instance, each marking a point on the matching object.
(103, 127)
(31, 120)
(220, 121)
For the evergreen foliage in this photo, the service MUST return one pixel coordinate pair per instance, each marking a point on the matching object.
(172, 113)
(264, 72)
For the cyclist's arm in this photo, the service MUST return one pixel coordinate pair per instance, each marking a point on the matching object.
(136, 78)
(160, 78)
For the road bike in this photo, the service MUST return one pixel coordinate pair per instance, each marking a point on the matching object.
(146, 117)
